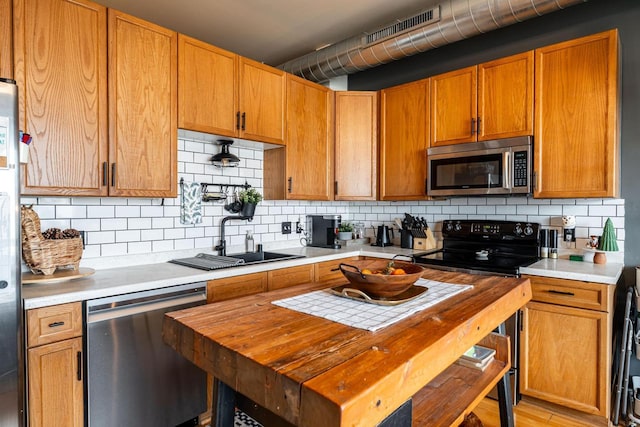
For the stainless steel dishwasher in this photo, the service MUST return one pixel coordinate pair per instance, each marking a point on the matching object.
(133, 377)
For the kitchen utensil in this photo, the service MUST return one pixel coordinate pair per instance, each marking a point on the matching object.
(406, 239)
(380, 285)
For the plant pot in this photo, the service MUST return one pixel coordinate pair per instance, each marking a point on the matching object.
(248, 209)
(600, 258)
(345, 235)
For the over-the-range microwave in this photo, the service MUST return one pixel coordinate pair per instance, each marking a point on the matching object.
(499, 167)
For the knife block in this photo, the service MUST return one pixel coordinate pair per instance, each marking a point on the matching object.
(424, 243)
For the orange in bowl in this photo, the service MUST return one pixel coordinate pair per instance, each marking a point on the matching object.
(381, 278)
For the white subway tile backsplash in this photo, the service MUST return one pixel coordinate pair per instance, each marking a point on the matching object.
(113, 224)
(151, 234)
(120, 226)
(101, 237)
(101, 212)
(127, 211)
(128, 236)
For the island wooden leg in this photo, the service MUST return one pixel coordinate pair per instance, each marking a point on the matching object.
(505, 402)
(224, 404)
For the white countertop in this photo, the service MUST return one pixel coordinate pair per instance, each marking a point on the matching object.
(608, 273)
(122, 280)
(134, 278)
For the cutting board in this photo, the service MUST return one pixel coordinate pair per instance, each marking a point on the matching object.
(57, 276)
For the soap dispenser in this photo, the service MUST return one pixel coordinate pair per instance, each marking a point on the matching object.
(249, 242)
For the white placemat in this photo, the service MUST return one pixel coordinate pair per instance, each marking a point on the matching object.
(363, 315)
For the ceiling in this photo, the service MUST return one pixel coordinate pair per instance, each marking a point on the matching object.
(271, 31)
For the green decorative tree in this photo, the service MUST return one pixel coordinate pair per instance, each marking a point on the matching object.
(608, 239)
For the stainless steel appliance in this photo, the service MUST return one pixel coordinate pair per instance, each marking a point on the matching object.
(383, 236)
(133, 377)
(500, 167)
(494, 248)
(11, 356)
(322, 231)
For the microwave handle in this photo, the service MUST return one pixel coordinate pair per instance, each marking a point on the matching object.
(506, 170)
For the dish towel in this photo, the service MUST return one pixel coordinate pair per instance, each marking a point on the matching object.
(363, 315)
(191, 203)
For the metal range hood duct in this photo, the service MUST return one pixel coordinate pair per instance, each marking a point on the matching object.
(445, 23)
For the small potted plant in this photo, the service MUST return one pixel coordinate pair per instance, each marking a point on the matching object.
(345, 231)
(249, 198)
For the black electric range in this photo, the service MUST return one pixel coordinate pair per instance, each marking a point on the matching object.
(485, 247)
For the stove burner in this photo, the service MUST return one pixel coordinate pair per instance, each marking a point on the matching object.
(489, 247)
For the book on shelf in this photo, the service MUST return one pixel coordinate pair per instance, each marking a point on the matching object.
(477, 357)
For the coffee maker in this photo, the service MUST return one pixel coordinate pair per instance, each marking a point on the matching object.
(322, 231)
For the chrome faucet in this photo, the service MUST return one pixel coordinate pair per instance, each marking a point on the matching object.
(222, 247)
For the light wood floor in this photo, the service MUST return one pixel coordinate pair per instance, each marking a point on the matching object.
(527, 414)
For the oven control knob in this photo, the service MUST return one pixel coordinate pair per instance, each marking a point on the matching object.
(457, 227)
(448, 226)
(517, 230)
(528, 230)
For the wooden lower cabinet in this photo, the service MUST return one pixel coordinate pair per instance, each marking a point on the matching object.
(285, 277)
(54, 370)
(237, 286)
(566, 346)
(328, 272)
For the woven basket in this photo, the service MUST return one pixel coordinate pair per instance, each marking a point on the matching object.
(45, 255)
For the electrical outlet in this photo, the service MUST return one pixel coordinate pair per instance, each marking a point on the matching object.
(299, 228)
(286, 227)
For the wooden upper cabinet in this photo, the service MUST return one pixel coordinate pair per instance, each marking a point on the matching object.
(262, 102)
(6, 39)
(489, 101)
(453, 107)
(505, 97)
(142, 107)
(356, 145)
(225, 94)
(404, 139)
(576, 115)
(207, 89)
(61, 70)
(309, 147)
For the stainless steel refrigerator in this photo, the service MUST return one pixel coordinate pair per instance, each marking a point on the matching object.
(11, 355)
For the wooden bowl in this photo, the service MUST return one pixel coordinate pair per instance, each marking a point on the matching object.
(381, 285)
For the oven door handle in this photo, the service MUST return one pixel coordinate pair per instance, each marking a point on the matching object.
(506, 170)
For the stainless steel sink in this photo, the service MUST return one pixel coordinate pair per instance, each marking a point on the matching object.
(259, 257)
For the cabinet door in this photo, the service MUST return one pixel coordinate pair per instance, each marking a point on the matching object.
(237, 286)
(404, 133)
(142, 108)
(505, 97)
(309, 152)
(207, 87)
(61, 69)
(576, 116)
(566, 364)
(262, 102)
(6, 39)
(55, 384)
(356, 150)
(285, 277)
(453, 107)
(327, 272)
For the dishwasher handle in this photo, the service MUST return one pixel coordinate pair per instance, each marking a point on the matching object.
(184, 296)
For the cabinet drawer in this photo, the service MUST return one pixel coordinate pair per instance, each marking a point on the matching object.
(291, 276)
(55, 323)
(324, 271)
(572, 293)
(234, 287)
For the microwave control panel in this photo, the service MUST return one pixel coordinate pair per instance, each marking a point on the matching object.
(520, 169)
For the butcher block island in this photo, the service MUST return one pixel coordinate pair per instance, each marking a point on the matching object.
(311, 371)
